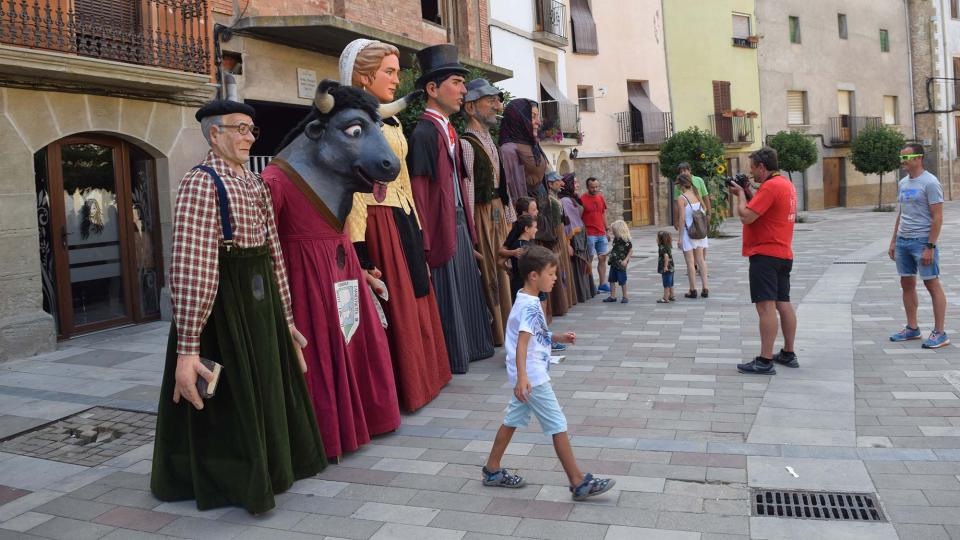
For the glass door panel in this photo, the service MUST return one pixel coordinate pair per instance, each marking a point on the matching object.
(91, 235)
(145, 233)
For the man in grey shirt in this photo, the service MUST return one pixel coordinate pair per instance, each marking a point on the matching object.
(914, 246)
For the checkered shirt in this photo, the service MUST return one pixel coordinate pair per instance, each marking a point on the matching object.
(194, 265)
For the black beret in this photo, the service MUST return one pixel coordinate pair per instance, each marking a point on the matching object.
(219, 107)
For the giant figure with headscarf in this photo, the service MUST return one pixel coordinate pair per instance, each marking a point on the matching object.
(389, 242)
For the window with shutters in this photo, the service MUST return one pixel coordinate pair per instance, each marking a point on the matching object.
(741, 26)
(842, 25)
(890, 110)
(956, 83)
(585, 98)
(794, 29)
(884, 41)
(796, 108)
(584, 28)
(954, 9)
(723, 126)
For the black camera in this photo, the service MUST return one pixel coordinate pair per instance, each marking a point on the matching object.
(742, 181)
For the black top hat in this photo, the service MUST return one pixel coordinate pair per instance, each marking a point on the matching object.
(438, 60)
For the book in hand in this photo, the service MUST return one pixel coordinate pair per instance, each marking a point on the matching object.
(207, 389)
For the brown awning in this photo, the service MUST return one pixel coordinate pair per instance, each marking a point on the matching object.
(584, 29)
(549, 84)
(639, 99)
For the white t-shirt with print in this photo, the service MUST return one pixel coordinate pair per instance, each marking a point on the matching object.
(527, 316)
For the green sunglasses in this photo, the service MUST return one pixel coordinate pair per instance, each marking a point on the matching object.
(907, 157)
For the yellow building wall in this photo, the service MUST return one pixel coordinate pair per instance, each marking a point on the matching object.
(700, 50)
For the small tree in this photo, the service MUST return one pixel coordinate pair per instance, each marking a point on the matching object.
(875, 151)
(704, 152)
(796, 151)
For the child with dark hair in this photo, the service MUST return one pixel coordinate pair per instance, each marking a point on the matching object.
(528, 362)
(524, 230)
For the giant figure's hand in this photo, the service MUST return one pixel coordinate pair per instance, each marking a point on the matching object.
(299, 343)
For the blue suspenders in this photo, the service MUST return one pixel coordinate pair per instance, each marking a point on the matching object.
(224, 205)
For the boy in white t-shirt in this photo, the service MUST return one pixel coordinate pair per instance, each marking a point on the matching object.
(528, 362)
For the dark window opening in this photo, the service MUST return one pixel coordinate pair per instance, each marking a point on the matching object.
(430, 10)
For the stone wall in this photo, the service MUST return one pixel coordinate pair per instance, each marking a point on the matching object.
(610, 172)
(30, 120)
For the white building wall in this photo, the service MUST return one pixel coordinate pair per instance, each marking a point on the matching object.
(515, 53)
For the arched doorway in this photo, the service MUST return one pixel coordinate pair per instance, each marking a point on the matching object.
(99, 233)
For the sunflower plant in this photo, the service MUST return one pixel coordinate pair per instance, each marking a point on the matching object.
(704, 152)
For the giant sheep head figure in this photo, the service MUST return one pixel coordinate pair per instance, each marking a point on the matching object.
(338, 149)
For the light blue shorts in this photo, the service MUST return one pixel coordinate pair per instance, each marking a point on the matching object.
(597, 245)
(908, 252)
(541, 402)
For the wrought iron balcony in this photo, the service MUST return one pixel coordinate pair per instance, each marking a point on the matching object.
(164, 33)
(735, 130)
(845, 128)
(749, 43)
(551, 22)
(559, 120)
(637, 128)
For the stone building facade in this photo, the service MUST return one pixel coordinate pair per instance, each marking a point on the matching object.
(813, 80)
(934, 27)
(97, 133)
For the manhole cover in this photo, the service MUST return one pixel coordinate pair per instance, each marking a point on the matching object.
(816, 505)
(87, 438)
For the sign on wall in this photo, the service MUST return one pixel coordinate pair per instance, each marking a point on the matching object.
(306, 83)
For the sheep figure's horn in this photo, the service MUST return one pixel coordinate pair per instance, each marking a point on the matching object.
(324, 101)
(387, 110)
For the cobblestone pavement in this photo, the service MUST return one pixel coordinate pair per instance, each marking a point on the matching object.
(652, 397)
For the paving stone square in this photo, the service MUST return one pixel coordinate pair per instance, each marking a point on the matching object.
(652, 398)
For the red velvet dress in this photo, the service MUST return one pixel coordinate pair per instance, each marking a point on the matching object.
(351, 383)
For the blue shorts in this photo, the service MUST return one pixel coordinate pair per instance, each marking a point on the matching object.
(542, 402)
(908, 252)
(667, 278)
(617, 276)
(597, 245)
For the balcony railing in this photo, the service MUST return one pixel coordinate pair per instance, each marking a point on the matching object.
(551, 20)
(845, 128)
(559, 120)
(636, 127)
(165, 33)
(732, 130)
(744, 42)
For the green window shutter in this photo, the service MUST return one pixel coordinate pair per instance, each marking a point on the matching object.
(794, 29)
(884, 41)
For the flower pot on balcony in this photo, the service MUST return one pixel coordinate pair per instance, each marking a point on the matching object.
(753, 39)
(739, 113)
(752, 114)
(727, 114)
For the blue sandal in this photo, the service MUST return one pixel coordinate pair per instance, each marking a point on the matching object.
(591, 486)
(502, 478)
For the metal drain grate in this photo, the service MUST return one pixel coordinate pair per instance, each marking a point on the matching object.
(816, 505)
(849, 262)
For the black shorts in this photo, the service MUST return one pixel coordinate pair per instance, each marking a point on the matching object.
(769, 278)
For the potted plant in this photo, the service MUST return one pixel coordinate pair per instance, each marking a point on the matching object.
(752, 114)
(739, 113)
(727, 114)
(753, 39)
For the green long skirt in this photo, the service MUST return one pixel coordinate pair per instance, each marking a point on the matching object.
(258, 433)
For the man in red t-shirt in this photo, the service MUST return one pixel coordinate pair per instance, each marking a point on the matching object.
(767, 240)
(594, 217)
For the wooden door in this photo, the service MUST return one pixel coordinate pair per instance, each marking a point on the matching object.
(104, 234)
(640, 200)
(831, 182)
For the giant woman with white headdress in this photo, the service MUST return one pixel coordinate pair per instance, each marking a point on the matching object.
(389, 242)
